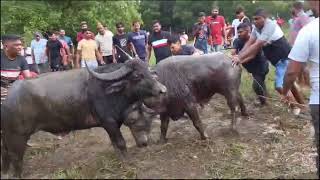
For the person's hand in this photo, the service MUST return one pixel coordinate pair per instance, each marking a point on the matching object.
(235, 60)
(102, 62)
(114, 61)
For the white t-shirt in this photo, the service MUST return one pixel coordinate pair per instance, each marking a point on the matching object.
(235, 24)
(105, 42)
(306, 49)
(270, 32)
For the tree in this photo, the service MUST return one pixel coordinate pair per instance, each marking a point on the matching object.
(26, 17)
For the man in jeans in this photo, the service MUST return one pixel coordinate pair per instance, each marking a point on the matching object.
(269, 36)
(38, 53)
(87, 50)
(306, 50)
(201, 32)
(138, 41)
(216, 24)
(104, 42)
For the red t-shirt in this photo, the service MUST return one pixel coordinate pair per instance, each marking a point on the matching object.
(216, 26)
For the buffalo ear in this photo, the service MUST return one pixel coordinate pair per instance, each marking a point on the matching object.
(115, 87)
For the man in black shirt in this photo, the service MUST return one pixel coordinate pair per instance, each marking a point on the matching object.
(12, 64)
(178, 49)
(158, 40)
(258, 66)
(120, 40)
(53, 52)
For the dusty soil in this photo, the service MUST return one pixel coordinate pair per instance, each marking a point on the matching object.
(271, 143)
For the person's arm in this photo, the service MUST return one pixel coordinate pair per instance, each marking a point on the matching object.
(99, 57)
(114, 52)
(131, 46)
(149, 52)
(25, 69)
(78, 55)
(292, 73)
(299, 55)
(48, 54)
(147, 46)
(223, 24)
(32, 55)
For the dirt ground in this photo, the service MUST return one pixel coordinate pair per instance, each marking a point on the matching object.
(271, 143)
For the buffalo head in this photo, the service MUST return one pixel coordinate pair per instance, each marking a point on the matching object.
(139, 118)
(132, 79)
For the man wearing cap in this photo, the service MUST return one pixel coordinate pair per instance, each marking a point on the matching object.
(104, 43)
(38, 53)
(84, 27)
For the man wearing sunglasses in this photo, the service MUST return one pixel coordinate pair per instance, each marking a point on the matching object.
(269, 37)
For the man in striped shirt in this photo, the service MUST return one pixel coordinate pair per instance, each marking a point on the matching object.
(158, 40)
(12, 64)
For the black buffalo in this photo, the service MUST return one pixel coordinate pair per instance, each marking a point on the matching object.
(77, 99)
(192, 80)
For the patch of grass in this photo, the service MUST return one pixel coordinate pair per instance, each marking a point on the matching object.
(73, 173)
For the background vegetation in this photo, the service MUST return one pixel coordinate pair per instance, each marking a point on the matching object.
(26, 17)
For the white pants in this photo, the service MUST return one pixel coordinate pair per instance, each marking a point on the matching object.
(91, 64)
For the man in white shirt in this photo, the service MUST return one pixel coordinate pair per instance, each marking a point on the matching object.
(306, 50)
(104, 44)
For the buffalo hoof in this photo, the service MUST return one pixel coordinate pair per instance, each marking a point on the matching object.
(163, 140)
(204, 136)
(244, 114)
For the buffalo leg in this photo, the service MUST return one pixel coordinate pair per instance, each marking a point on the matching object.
(232, 101)
(117, 140)
(164, 127)
(5, 156)
(242, 106)
(16, 149)
(194, 116)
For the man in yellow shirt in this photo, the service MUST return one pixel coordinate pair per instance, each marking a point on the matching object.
(87, 50)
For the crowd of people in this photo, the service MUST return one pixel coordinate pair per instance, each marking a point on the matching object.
(254, 44)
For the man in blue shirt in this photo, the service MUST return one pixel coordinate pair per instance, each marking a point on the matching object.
(138, 41)
(38, 53)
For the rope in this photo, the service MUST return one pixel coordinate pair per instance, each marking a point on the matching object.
(274, 99)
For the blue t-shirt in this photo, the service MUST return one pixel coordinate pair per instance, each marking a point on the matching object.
(67, 39)
(139, 40)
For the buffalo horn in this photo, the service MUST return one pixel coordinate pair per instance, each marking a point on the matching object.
(124, 70)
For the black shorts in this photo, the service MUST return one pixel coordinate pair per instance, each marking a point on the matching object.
(106, 59)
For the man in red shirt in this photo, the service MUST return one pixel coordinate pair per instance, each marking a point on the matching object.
(84, 27)
(216, 24)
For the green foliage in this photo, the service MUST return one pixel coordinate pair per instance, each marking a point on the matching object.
(26, 17)
(176, 15)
